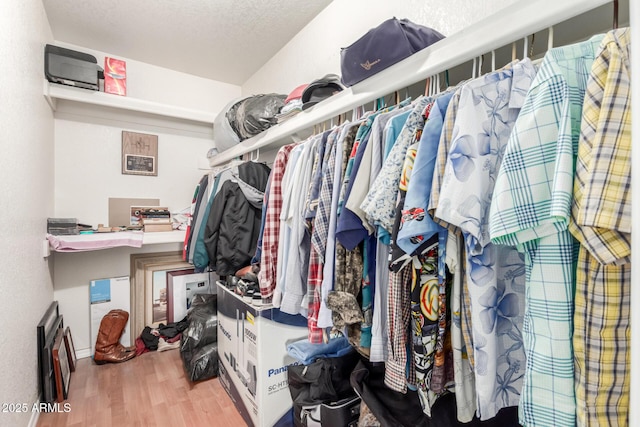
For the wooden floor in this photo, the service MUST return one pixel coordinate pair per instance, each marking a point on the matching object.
(149, 390)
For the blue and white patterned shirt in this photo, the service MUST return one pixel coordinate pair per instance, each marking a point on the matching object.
(487, 111)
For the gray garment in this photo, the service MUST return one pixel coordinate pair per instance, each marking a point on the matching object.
(296, 268)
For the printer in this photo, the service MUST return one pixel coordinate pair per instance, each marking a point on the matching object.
(72, 68)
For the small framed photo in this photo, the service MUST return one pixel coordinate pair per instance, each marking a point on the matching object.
(61, 367)
(139, 154)
(71, 351)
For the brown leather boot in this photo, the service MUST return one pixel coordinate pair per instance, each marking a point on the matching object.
(108, 347)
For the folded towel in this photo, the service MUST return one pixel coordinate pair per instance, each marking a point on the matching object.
(306, 352)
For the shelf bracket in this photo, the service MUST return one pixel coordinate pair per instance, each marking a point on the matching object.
(51, 101)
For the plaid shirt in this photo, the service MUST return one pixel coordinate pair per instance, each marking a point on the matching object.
(446, 138)
(269, 260)
(318, 235)
(601, 221)
(531, 207)
(398, 317)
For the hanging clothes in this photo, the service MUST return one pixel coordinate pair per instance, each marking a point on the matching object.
(269, 257)
(315, 228)
(328, 207)
(283, 241)
(531, 208)
(601, 222)
(296, 267)
(233, 225)
(487, 111)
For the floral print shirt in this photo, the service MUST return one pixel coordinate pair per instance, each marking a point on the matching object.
(487, 111)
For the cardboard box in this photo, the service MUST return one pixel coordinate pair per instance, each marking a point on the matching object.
(253, 359)
(154, 228)
(115, 76)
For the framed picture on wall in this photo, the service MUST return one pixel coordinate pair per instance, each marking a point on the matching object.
(139, 154)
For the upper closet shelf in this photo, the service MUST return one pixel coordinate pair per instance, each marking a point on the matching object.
(54, 92)
(514, 22)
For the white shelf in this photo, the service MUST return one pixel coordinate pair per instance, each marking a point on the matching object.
(511, 23)
(54, 92)
(102, 241)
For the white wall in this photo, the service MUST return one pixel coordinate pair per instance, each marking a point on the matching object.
(153, 83)
(26, 191)
(315, 50)
(88, 159)
(74, 271)
(88, 156)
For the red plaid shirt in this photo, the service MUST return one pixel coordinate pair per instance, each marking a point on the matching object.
(314, 283)
(269, 260)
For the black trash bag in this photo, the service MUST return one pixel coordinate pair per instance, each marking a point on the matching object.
(255, 114)
(201, 333)
(203, 322)
(203, 363)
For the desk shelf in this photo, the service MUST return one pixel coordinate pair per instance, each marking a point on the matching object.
(101, 241)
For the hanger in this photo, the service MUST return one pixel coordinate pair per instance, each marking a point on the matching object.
(257, 155)
(615, 14)
(550, 39)
(493, 60)
(473, 73)
(526, 43)
(513, 51)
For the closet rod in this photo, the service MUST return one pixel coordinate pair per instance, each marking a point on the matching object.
(513, 22)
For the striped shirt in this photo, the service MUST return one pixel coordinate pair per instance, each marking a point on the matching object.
(601, 221)
(531, 208)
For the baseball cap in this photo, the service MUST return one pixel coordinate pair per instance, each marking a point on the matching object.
(321, 89)
(296, 93)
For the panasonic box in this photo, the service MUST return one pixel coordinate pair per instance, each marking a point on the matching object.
(70, 67)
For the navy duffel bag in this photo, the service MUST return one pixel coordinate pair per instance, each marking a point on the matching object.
(388, 43)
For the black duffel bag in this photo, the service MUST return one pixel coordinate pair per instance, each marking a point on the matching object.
(325, 381)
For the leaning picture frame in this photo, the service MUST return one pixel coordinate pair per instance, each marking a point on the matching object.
(182, 285)
(71, 351)
(61, 367)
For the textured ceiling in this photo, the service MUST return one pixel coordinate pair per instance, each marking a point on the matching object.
(225, 40)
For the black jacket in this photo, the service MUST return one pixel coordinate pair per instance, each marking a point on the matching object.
(233, 226)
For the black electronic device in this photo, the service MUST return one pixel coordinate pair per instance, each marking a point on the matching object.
(72, 68)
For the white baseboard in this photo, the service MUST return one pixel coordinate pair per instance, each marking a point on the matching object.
(85, 352)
